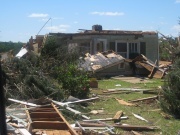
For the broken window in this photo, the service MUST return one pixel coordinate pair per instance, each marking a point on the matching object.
(133, 48)
(122, 49)
(112, 46)
(143, 48)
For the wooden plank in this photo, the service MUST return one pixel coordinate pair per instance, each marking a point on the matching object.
(118, 115)
(47, 119)
(105, 119)
(49, 125)
(122, 102)
(44, 115)
(126, 89)
(23, 131)
(152, 71)
(43, 110)
(73, 132)
(135, 127)
(58, 132)
(22, 102)
(51, 132)
(136, 133)
(91, 124)
(139, 117)
(142, 99)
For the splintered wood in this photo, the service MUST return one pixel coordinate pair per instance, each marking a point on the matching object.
(122, 102)
(118, 115)
(52, 132)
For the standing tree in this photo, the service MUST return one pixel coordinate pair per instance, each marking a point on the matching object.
(170, 102)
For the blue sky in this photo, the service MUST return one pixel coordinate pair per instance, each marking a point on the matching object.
(21, 19)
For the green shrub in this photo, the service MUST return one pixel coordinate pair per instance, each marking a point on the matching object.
(74, 81)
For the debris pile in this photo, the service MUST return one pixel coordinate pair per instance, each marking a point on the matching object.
(154, 70)
(110, 64)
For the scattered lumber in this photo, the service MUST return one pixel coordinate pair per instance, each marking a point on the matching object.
(78, 101)
(77, 123)
(135, 127)
(91, 124)
(126, 89)
(70, 109)
(24, 103)
(139, 117)
(155, 71)
(108, 127)
(105, 119)
(116, 92)
(23, 131)
(18, 119)
(90, 128)
(52, 122)
(122, 102)
(118, 115)
(142, 99)
(136, 133)
(97, 111)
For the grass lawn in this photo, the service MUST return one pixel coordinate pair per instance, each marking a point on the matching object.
(149, 110)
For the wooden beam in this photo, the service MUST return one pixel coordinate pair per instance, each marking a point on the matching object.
(23, 131)
(69, 127)
(91, 124)
(135, 127)
(49, 125)
(152, 71)
(44, 115)
(118, 115)
(142, 99)
(47, 119)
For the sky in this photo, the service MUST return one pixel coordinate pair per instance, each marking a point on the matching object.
(21, 19)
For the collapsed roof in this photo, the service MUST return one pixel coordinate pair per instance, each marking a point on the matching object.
(101, 61)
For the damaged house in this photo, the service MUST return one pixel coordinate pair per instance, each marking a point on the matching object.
(111, 51)
(107, 51)
(125, 43)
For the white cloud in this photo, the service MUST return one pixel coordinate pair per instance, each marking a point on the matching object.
(176, 28)
(38, 15)
(108, 13)
(44, 19)
(59, 28)
(57, 18)
(177, 1)
(75, 22)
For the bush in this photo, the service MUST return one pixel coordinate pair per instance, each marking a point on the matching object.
(171, 91)
(74, 81)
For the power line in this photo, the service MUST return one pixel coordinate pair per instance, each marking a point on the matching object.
(43, 26)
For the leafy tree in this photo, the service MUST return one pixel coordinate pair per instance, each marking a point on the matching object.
(7, 46)
(61, 64)
(170, 101)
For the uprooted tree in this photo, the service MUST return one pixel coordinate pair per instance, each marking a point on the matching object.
(64, 67)
(54, 74)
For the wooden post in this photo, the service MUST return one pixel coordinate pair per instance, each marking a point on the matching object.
(3, 130)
